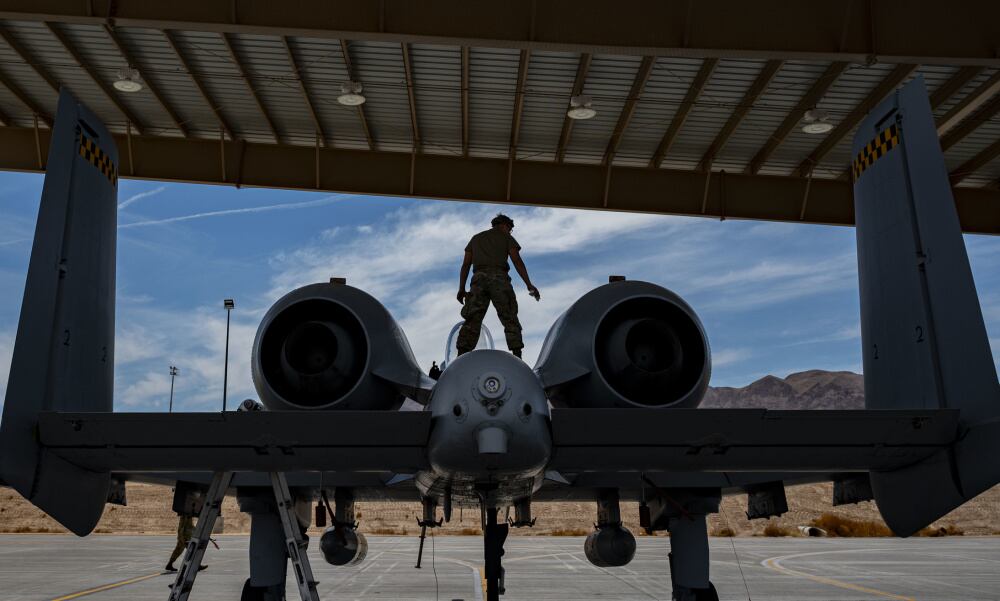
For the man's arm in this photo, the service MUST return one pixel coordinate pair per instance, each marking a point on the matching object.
(464, 276)
(515, 258)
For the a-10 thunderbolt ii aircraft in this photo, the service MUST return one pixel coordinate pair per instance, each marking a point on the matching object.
(608, 412)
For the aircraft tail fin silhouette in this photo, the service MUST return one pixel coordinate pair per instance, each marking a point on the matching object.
(64, 351)
(922, 329)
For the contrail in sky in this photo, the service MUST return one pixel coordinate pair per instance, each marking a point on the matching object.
(282, 207)
(139, 196)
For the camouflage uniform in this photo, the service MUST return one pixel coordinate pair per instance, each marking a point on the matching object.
(490, 285)
(185, 530)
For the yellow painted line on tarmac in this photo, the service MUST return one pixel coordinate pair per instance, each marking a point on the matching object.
(775, 564)
(482, 579)
(108, 587)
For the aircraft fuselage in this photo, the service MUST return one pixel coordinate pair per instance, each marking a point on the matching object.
(490, 438)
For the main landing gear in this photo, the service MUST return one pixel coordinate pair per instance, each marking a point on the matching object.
(683, 512)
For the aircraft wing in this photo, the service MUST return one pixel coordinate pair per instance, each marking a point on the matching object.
(746, 440)
(584, 440)
(261, 441)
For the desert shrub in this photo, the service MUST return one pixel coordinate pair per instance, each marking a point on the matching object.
(388, 531)
(836, 525)
(569, 532)
(724, 531)
(947, 530)
(773, 529)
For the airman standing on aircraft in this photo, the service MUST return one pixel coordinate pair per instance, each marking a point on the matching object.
(487, 252)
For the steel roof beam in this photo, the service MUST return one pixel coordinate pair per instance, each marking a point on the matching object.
(634, 93)
(808, 101)
(955, 83)
(988, 111)
(969, 104)
(349, 66)
(26, 56)
(756, 89)
(212, 104)
(849, 122)
(235, 58)
(25, 100)
(909, 31)
(567, 129)
(481, 179)
(411, 95)
(303, 89)
(976, 163)
(690, 98)
(150, 85)
(70, 48)
(515, 126)
(465, 101)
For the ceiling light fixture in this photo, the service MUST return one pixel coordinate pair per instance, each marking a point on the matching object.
(350, 94)
(815, 122)
(580, 108)
(128, 80)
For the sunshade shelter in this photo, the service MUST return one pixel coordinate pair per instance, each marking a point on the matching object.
(700, 105)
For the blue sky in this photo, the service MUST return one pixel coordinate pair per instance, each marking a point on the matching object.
(775, 298)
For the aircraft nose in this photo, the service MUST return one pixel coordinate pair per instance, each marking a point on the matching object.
(492, 440)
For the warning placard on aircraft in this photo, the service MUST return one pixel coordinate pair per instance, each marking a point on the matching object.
(98, 158)
(874, 150)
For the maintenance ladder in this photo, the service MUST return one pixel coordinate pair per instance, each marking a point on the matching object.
(295, 545)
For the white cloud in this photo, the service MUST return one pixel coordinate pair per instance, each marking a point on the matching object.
(392, 256)
(278, 207)
(843, 333)
(135, 197)
(150, 340)
(730, 356)
(428, 318)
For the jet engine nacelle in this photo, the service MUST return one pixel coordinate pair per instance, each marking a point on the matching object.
(626, 344)
(343, 546)
(333, 346)
(610, 546)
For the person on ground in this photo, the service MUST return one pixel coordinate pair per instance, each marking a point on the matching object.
(185, 530)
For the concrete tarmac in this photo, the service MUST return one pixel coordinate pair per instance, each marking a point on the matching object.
(127, 568)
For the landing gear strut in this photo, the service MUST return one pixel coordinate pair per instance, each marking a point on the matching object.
(684, 513)
(430, 512)
(494, 535)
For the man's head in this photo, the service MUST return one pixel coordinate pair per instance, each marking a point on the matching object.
(503, 222)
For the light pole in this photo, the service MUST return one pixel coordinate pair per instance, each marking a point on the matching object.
(229, 304)
(173, 374)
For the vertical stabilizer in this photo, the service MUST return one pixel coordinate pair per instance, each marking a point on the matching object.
(924, 339)
(64, 351)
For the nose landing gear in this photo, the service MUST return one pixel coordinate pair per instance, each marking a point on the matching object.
(494, 535)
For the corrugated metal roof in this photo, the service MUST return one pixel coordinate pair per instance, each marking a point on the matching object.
(437, 76)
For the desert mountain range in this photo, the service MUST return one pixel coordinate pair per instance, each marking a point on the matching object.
(813, 389)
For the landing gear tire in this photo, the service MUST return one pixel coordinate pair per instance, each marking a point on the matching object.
(706, 594)
(696, 594)
(262, 593)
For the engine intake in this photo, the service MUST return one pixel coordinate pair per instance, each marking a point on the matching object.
(313, 350)
(626, 344)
